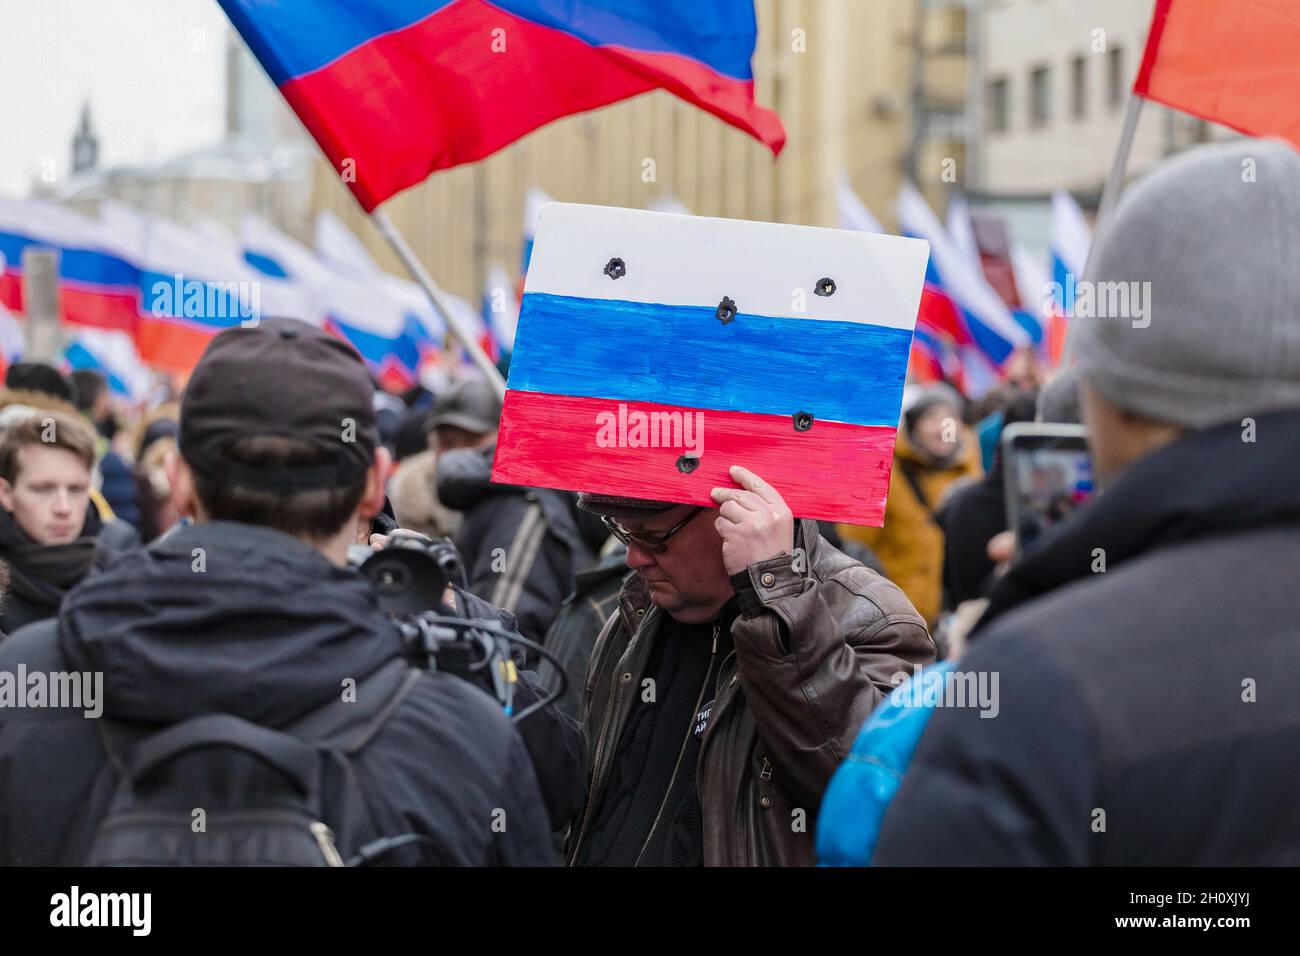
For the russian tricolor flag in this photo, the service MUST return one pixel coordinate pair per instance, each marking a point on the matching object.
(655, 351)
(99, 287)
(1070, 240)
(395, 89)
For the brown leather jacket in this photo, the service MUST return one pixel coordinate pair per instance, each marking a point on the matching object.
(783, 719)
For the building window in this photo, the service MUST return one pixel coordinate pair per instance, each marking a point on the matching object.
(1079, 87)
(1040, 97)
(1115, 83)
(1000, 105)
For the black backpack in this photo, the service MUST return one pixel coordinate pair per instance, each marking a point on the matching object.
(217, 790)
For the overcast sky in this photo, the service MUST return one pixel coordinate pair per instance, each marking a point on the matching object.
(152, 70)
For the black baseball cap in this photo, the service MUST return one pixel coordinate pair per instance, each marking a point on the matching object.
(618, 506)
(285, 378)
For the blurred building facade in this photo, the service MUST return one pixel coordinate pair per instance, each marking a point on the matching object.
(264, 163)
(1050, 82)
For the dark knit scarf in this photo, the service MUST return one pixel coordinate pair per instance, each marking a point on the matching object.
(46, 572)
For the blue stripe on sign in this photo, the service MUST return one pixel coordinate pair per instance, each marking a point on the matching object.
(294, 37)
(683, 355)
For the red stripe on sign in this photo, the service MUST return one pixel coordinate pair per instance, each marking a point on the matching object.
(831, 472)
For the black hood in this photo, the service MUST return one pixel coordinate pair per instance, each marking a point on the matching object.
(1207, 483)
(267, 630)
(465, 477)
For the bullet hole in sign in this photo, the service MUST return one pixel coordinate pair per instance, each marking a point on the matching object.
(726, 311)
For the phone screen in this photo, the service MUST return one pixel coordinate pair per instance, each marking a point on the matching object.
(1051, 476)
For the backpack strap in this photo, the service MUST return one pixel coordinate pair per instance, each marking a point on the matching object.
(346, 726)
(295, 758)
(349, 726)
(908, 471)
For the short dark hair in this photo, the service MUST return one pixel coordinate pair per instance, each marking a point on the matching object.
(39, 377)
(315, 514)
(89, 385)
(56, 429)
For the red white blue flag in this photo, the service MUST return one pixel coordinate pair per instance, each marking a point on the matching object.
(395, 89)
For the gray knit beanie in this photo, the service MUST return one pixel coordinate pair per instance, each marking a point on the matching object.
(1216, 234)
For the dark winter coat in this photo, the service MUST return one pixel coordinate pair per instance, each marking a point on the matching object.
(267, 630)
(1148, 658)
(522, 547)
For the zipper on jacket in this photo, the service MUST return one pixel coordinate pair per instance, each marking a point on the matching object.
(690, 729)
(325, 838)
(615, 692)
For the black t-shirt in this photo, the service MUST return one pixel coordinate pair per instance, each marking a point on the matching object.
(663, 731)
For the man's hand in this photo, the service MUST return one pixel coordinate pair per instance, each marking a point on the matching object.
(754, 522)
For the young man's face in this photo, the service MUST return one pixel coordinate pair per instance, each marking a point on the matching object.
(50, 494)
(689, 580)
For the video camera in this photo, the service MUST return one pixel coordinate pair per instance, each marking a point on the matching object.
(412, 575)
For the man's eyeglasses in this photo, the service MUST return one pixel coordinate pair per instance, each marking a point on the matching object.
(655, 542)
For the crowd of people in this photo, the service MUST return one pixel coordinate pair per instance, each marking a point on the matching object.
(718, 682)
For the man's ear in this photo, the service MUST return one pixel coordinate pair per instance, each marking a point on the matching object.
(6, 495)
(372, 500)
(180, 478)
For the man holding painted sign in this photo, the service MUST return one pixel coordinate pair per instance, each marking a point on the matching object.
(699, 381)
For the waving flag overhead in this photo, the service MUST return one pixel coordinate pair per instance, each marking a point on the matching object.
(98, 284)
(113, 354)
(962, 229)
(395, 89)
(1230, 61)
(1070, 240)
(963, 304)
(934, 356)
(654, 351)
(389, 337)
(11, 336)
(500, 311)
(534, 200)
(853, 212)
(190, 286)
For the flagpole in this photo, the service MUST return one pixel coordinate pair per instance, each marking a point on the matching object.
(414, 266)
(1115, 182)
(1109, 194)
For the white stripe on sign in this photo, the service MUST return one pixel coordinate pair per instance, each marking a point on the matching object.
(766, 268)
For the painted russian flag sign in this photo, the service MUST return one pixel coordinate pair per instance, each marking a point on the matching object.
(654, 351)
(395, 89)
